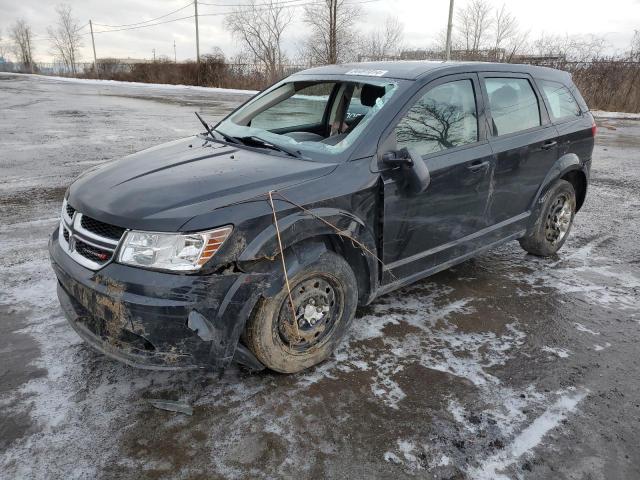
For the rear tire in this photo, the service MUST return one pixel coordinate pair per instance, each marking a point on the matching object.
(554, 222)
(325, 296)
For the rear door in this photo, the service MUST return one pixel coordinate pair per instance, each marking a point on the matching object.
(525, 144)
(441, 124)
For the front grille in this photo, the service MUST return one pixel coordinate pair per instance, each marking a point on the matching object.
(70, 211)
(94, 254)
(101, 229)
(88, 241)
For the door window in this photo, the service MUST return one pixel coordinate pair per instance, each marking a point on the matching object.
(560, 100)
(306, 107)
(514, 105)
(445, 117)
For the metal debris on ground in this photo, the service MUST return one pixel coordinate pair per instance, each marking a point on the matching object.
(172, 406)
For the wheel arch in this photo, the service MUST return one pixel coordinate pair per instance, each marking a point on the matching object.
(569, 168)
(577, 178)
(305, 236)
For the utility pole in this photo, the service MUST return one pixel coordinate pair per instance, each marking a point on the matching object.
(175, 57)
(93, 43)
(154, 55)
(195, 4)
(449, 27)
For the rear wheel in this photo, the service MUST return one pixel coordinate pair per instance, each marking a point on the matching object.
(325, 296)
(554, 223)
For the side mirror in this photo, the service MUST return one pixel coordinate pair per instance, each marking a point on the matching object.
(412, 167)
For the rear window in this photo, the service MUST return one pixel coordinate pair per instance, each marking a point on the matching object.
(561, 102)
(513, 103)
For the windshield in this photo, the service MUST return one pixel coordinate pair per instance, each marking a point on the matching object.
(309, 117)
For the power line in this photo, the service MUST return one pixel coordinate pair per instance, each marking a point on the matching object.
(145, 21)
(218, 14)
(80, 28)
(267, 5)
(275, 4)
(144, 26)
(138, 25)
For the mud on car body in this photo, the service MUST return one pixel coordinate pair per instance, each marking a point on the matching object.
(376, 175)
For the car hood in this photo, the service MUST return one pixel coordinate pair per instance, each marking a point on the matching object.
(161, 188)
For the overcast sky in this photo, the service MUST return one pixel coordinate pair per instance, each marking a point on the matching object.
(423, 19)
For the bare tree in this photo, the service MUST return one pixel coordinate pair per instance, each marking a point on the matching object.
(333, 38)
(505, 27)
(22, 37)
(4, 48)
(439, 43)
(260, 26)
(65, 37)
(515, 44)
(634, 51)
(385, 43)
(570, 47)
(474, 24)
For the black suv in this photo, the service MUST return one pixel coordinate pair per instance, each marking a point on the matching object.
(255, 241)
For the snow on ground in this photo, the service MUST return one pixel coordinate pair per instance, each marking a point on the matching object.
(168, 86)
(91, 81)
(616, 115)
(468, 374)
(529, 438)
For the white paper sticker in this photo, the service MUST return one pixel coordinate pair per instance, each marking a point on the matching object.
(367, 73)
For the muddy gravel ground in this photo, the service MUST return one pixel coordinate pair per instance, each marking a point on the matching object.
(506, 366)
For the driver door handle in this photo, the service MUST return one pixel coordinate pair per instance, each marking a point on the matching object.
(478, 165)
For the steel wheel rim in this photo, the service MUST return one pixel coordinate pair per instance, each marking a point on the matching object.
(558, 220)
(318, 303)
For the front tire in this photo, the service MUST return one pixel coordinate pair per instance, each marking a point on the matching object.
(325, 296)
(554, 222)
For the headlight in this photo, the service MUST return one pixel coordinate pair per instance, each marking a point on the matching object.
(171, 251)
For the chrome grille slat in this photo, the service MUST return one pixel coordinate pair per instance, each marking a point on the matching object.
(70, 210)
(101, 229)
(79, 229)
(88, 248)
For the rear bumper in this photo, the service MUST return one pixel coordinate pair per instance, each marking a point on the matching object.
(156, 320)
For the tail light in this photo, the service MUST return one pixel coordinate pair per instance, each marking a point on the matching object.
(594, 127)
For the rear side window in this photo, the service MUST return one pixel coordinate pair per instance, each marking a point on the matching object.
(514, 105)
(445, 117)
(562, 104)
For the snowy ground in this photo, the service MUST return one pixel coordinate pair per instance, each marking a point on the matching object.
(506, 366)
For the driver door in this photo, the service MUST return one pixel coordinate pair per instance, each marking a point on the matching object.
(425, 230)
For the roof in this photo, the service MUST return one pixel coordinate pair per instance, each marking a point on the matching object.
(413, 69)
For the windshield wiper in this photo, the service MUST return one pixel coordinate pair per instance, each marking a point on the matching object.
(211, 130)
(267, 144)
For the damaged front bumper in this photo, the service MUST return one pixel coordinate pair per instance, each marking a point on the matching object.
(157, 320)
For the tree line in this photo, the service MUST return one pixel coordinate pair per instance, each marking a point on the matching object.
(263, 31)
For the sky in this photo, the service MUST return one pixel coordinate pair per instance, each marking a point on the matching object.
(616, 20)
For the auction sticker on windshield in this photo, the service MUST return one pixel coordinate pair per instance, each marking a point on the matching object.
(367, 73)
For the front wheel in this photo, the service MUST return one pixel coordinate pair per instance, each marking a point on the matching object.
(554, 223)
(325, 296)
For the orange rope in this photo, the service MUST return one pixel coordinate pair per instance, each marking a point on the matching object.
(284, 266)
(341, 233)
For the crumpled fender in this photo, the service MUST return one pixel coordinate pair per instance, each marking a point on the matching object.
(304, 229)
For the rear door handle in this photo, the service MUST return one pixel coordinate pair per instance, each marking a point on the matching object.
(478, 165)
(549, 144)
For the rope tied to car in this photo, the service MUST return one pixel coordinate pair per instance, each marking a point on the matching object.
(284, 266)
(339, 232)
